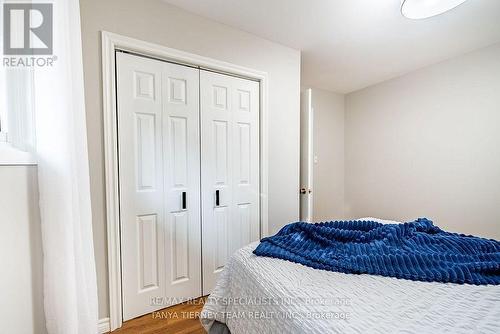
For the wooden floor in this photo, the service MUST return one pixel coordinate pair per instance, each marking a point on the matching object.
(178, 319)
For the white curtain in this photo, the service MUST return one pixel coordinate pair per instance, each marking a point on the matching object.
(70, 289)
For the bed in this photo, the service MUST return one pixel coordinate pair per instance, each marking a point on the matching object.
(266, 295)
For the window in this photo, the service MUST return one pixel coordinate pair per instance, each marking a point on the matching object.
(3, 108)
(16, 113)
(3, 96)
(16, 109)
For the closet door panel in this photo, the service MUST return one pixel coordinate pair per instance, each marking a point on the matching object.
(230, 169)
(216, 177)
(246, 164)
(181, 148)
(141, 182)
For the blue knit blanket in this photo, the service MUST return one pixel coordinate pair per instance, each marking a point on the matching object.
(416, 251)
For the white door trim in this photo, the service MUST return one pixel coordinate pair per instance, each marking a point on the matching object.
(110, 43)
(310, 158)
(306, 156)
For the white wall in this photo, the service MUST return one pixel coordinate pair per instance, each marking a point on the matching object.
(158, 22)
(328, 148)
(21, 279)
(427, 144)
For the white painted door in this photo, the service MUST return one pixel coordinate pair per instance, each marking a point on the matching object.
(306, 156)
(159, 182)
(230, 169)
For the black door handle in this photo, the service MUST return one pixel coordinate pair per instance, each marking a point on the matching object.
(217, 198)
(183, 200)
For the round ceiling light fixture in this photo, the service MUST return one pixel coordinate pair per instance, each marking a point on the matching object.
(422, 9)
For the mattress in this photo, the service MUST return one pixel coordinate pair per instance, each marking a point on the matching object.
(266, 295)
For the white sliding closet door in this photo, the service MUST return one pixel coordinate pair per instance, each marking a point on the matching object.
(230, 169)
(159, 176)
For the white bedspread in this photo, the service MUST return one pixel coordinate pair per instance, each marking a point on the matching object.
(265, 295)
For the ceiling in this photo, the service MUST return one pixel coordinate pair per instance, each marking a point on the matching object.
(350, 44)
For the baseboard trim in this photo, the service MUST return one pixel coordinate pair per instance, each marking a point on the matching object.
(103, 326)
